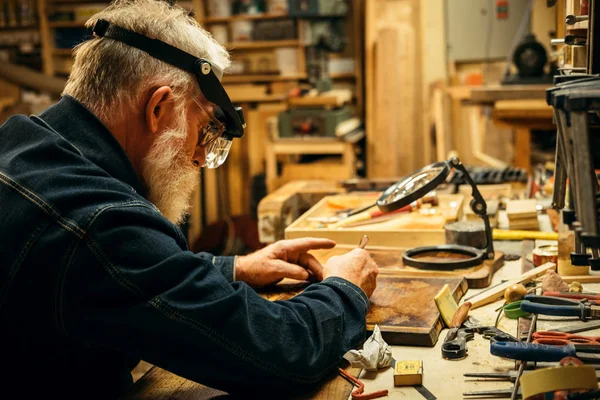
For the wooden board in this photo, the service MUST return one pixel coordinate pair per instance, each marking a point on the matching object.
(402, 305)
(390, 260)
(497, 292)
(406, 231)
(160, 384)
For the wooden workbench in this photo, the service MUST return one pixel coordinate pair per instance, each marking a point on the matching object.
(442, 377)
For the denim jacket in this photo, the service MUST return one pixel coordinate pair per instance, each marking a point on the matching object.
(93, 278)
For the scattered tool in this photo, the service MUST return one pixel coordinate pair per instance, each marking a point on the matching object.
(513, 310)
(499, 234)
(541, 352)
(358, 394)
(453, 349)
(590, 297)
(561, 307)
(580, 327)
(367, 215)
(515, 292)
(516, 388)
(446, 304)
(561, 338)
(456, 349)
(499, 393)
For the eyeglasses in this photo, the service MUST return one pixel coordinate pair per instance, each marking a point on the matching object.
(215, 127)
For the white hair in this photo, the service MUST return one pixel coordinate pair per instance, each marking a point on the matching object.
(108, 74)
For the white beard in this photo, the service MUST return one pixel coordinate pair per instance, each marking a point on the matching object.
(169, 173)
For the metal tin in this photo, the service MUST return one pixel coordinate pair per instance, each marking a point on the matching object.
(545, 254)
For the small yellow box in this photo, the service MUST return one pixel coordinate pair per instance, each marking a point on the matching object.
(408, 373)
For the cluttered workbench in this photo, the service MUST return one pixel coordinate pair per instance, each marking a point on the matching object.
(433, 244)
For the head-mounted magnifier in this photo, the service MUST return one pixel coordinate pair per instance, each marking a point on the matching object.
(209, 80)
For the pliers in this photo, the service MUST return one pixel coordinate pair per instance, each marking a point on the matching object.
(548, 305)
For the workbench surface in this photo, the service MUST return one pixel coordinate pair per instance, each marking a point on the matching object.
(442, 377)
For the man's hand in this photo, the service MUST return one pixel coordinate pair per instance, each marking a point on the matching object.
(282, 259)
(356, 266)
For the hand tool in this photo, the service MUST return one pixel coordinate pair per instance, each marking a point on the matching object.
(515, 292)
(358, 394)
(500, 234)
(363, 242)
(504, 376)
(367, 215)
(499, 393)
(513, 310)
(579, 327)
(516, 389)
(565, 337)
(541, 352)
(455, 348)
(573, 19)
(557, 306)
(590, 297)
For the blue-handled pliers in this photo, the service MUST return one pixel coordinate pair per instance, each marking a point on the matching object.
(543, 352)
(557, 306)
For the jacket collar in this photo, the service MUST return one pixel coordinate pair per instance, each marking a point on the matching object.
(77, 124)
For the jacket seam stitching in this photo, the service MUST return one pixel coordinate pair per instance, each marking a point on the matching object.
(44, 206)
(105, 207)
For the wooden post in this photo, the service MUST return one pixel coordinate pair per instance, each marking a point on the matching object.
(523, 148)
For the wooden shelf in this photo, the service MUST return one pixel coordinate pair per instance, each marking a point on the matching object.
(66, 24)
(343, 75)
(258, 99)
(244, 17)
(263, 44)
(261, 78)
(62, 52)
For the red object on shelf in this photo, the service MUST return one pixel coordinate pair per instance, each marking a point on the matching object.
(584, 7)
(501, 9)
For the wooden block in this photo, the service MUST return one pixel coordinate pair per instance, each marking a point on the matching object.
(280, 208)
(402, 306)
(497, 292)
(521, 209)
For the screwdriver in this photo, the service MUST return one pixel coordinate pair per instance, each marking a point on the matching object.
(505, 376)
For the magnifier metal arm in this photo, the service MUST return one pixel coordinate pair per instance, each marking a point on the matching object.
(478, 206)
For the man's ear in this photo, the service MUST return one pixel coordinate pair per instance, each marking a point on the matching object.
(160, 109)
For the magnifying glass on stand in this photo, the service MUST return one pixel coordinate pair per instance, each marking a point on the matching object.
(416, 186)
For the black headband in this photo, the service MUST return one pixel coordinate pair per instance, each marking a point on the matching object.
(208, 75)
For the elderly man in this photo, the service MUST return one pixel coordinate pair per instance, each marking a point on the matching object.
(94, 273)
